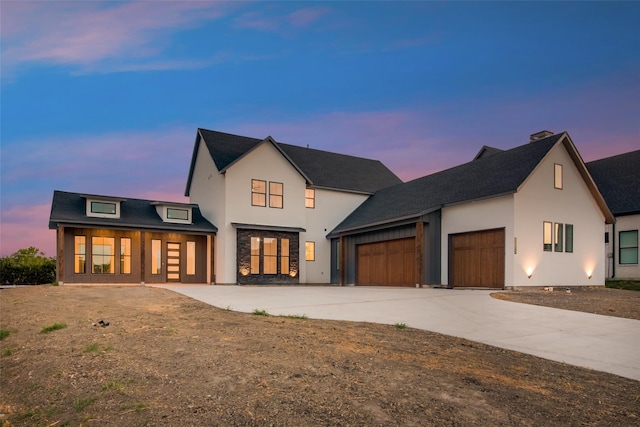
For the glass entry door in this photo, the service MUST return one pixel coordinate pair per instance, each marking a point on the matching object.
(173, 262)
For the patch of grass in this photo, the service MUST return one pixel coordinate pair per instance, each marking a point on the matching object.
(7, 352)
(53, 327)
(296, 316)
(629, 285)
(81, 403)
(260, 312)
(94, 346)
(4, 333)
(400, 325)
(139, 407)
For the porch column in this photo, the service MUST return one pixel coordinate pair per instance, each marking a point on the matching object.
(341, 261)
(143, 260)
(209, 259)
(419, 252)
(60, 254)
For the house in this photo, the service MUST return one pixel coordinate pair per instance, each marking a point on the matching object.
(275, 203)
(528, 216)
(618, 179)
(265, 212)
(105, 239)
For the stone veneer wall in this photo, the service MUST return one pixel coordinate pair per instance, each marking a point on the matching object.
(243, 255)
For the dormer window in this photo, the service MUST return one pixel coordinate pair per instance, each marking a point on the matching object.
(175, 213)
(103, 208)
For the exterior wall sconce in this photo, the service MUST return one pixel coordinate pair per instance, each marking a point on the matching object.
(589, 274)
(529, 272)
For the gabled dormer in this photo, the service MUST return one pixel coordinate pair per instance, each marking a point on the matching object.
(176, 213)
(103, 206)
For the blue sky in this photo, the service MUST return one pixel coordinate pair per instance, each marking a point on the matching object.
(105, 97)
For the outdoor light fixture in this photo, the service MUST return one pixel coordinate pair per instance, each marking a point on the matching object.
(529, 272)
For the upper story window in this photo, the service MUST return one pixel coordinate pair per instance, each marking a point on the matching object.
(258, 192)
(103, 208)
(629, 247)
(175, 213)
(557, 176)
(275, 195)
(310, 198)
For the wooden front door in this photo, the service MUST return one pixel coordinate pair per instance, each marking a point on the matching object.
(173, 262)
(477, 259)
(388, 263)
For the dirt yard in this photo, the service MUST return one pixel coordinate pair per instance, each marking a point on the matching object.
(167, 360)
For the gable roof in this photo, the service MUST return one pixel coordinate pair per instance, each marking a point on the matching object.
(618, 178)
(499, 174)
(321, 169)
(71, 209)
(487, 151)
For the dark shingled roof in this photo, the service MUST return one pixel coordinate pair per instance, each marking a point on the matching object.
(320, 168)
(501, 173)
(487, 151)
(618, 179)
(70, 209)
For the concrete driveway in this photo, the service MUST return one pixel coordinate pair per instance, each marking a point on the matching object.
(593, 341)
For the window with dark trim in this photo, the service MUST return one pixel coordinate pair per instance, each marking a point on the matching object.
(125, 255)
(255, 255)
(80, 255)
(557, 176)
(310, 198)
(558, 237)
(108, 208)
(310, 251)
(568, 238)
(175, 213)
(103, 254)
(284, 256)
(628, 247)
(258, 193)
(191, 258)
(156, 256)
(270, 255)
(547, 236)
(275, 194)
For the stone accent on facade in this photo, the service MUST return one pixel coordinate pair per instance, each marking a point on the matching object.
(243, 255)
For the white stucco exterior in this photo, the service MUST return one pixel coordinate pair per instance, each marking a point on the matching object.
(621, 271)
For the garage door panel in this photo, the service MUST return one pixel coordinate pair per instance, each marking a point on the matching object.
(477, 259)
(390, 263)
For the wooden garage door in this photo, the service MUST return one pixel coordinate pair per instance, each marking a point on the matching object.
(477, 259)
(389, 263)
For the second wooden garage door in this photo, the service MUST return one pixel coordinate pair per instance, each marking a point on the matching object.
(389, 263)
(477, 259)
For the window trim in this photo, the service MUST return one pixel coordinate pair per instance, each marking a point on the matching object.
(280, 196)
(568, 242)
(310, 202)
(309, 251)
(77, 254)
(124, 256)
(254, 193)
(621, 248)
(284, 257)
(95, 255)
(558, 176)
(174, 210)
(156, 255)
(547, 236)
(558, 237)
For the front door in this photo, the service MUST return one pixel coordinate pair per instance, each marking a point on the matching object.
(173, 262)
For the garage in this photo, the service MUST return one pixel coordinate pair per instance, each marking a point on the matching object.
(476, 260)
(387, 263)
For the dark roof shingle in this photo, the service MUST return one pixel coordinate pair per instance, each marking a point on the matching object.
(322, 168)
(500, 173)
(70, 208)
(618, 179)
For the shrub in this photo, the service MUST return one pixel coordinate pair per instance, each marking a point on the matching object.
(27, 267)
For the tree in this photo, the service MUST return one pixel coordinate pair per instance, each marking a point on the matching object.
(27, 266)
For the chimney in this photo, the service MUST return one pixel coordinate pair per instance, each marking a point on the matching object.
(540, 135)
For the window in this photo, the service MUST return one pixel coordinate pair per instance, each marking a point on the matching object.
(310, 198)
(191, 258)
(156, 257)
(606, 237)
(258, 193)
(125, 255)
(568, 238)
(284, 256)
(310, 251)
(108, 208)
(270, 255)
(557, 238)
(275, 194)
(557, 176)
(103, 254)
(629, 247)
(80, 255)
(174, 213)
(546, 236)
(255, 255)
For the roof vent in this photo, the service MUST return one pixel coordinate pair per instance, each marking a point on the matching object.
(540, 135)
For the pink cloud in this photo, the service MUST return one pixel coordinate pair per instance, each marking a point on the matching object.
(26, 225)
(304, 17)
(83, 33)
(262, 21)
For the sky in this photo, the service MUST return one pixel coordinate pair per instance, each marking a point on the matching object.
(105, 97)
